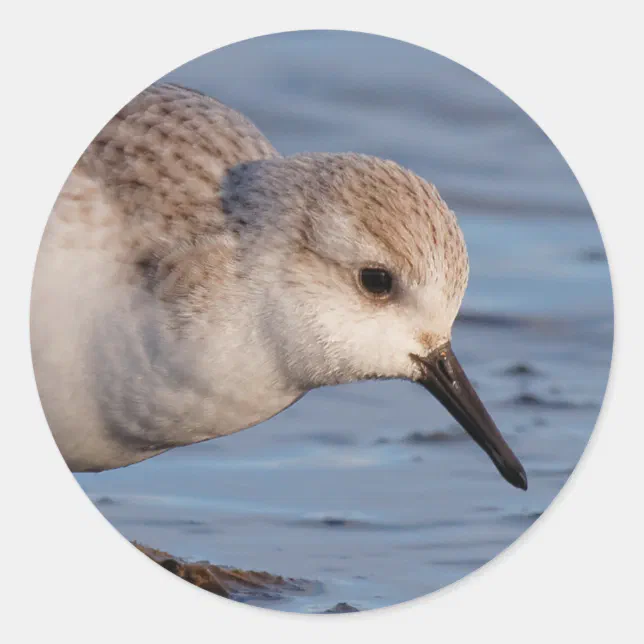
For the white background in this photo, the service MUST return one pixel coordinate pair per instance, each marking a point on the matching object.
(575, 67)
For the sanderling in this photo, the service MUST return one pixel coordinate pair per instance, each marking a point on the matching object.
(193, 282)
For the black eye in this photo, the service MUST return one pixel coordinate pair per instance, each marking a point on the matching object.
(377, 281)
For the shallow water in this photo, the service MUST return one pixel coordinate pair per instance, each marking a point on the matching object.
(371, 489)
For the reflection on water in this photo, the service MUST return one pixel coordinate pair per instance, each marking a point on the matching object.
(368, 488)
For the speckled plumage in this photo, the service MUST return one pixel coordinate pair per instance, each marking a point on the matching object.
(192, 282)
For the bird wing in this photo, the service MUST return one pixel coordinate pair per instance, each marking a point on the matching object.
(145, 191)
(161, 159)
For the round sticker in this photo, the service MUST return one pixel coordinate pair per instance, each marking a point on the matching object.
(370, 259)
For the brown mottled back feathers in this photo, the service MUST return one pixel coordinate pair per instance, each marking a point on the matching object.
(161, 160)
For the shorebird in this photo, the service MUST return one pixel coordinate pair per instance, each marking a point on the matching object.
(192, 282)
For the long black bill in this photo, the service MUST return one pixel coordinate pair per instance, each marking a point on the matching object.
(445, 379)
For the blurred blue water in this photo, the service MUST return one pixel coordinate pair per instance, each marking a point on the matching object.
(332, 489)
